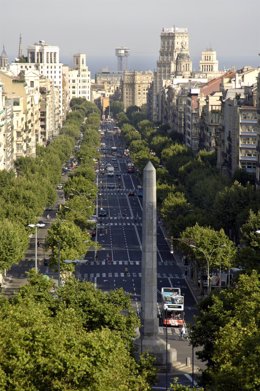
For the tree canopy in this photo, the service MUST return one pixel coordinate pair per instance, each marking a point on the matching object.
(77, 339)
(227, 329)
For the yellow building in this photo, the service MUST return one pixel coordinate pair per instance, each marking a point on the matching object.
(134, 86)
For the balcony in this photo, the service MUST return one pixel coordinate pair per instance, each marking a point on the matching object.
(247, 158)
(247, 146)
(248, 121)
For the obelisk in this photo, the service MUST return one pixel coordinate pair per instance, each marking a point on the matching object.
(149, 254)
(149, 340)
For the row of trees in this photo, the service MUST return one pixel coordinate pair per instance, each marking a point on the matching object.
(31, 187)
(209, 215)
(72, 336)
(191, 190)
(69, 237)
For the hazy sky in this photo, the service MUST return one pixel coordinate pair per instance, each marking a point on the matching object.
(97, 27)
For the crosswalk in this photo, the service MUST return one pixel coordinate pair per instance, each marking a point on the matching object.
(126, 223)
(170, 331)
(114, 275)
(120, 217)
(126, 263)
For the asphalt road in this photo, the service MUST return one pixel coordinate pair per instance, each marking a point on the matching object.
(118, 262)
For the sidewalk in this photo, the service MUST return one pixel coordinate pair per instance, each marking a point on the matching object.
(194, 288)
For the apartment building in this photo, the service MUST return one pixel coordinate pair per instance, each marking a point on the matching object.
(192, 131)
(134, 87)
(210, 121)
(24, 98)
(46, 59)
(4, 113)
(238, 132)
(79, 78)
(106, 84)
(49, 112)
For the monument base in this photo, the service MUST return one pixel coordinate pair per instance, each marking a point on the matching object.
(156, 346)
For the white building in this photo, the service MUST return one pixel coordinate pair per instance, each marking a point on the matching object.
(46, 59)
(79, 78)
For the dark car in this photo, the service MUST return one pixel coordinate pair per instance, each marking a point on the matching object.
(102, 213)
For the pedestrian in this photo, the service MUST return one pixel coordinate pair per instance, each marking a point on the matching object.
(38, 243)
(183, 331)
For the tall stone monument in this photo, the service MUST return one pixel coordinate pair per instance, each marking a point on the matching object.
(149, 340)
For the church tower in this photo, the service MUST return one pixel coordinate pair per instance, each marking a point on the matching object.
(183, 64)
(3, 59)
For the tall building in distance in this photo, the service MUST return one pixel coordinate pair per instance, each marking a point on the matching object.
(79, 78)
(174, 41)
(134, 87)
(209, 64)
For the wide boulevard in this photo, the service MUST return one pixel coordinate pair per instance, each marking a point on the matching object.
(117, 263)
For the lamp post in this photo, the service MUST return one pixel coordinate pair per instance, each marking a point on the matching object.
(59, 264)
(207, 260)
(166, 355)
(36, 226)
(171, 247)
(192, 365)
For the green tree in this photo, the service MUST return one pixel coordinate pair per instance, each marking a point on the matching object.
(174, 209)
(211, 249)
(122, 119)
(249, 252)
(79, 338)
(116, 107)
(67, 242)
(159, 143)
(13, 243)
(227, 329)
(231, 208)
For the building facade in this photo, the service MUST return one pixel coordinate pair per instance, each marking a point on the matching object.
(79, 78)
(134, 87)
(45, 59)
(174, 41)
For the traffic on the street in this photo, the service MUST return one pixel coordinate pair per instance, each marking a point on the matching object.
(118, 231)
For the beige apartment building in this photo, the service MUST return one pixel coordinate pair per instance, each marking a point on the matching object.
(49, 112)
(24, 97)
(134, 87)
(5, 131)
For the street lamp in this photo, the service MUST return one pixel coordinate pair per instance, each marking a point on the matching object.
(36, 226)
(207, 260)
(171, 248)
